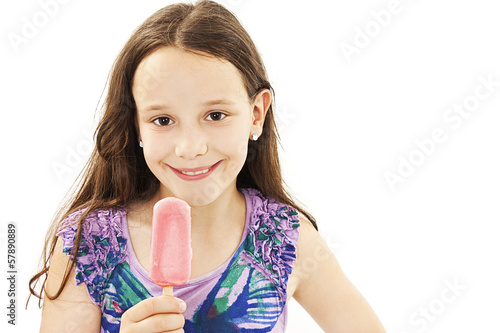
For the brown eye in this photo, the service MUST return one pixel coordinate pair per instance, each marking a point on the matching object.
(162, 121)
(216, 116)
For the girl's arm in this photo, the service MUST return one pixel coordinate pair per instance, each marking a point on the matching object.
(325, 292)
(72, 311)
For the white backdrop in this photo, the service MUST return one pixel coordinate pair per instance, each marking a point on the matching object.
(388, 112)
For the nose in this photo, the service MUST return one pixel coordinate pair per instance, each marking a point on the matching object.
(190, 143)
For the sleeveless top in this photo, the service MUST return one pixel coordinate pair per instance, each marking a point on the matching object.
(248, 293)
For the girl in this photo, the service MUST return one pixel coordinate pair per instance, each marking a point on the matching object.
(189, 114)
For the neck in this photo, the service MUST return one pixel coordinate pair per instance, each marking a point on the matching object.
(225, 209)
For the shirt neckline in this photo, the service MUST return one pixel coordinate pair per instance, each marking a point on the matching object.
(200, 279)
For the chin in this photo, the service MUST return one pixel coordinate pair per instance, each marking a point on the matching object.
(198, 196)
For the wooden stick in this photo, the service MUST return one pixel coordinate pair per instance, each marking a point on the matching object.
(168, 291)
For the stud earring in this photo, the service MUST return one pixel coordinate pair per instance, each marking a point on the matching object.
(140, 144)
(255, 137)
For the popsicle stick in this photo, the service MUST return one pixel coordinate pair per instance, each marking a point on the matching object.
(168, 291)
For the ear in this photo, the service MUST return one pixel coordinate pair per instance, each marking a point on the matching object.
(261, 104)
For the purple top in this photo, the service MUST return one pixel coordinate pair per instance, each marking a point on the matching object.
(248, 293)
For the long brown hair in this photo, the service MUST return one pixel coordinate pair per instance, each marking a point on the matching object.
(116, 173)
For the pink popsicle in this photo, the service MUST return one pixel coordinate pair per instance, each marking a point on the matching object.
(171, 251)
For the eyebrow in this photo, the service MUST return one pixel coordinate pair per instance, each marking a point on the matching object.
(160, 107)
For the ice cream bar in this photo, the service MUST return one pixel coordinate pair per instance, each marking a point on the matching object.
(171, 251)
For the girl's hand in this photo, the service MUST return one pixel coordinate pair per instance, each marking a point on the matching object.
(155, 314)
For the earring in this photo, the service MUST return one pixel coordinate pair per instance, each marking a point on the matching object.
(140, 144)
(255, 137)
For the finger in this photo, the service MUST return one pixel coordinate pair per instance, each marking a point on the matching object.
(171, 322)
(155, 305)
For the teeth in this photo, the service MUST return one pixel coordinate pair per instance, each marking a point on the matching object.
(189, 173)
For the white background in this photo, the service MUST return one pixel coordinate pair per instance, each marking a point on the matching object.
(343, 123)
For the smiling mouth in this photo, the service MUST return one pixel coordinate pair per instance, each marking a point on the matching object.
(195, 173)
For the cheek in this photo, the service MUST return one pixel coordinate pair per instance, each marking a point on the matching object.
(242, 150)
(154, 149)
(234, 142)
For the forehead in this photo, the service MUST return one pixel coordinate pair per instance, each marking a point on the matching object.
(179, 76)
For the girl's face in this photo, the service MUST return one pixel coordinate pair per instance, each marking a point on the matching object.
(194, 119)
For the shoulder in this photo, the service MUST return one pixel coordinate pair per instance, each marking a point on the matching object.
(97, 225)
(100, 229)
(311, 245)
(101, 247)
(261, 204)
(272, 236)
(271, 218)
(96, 218)
(312, 253)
